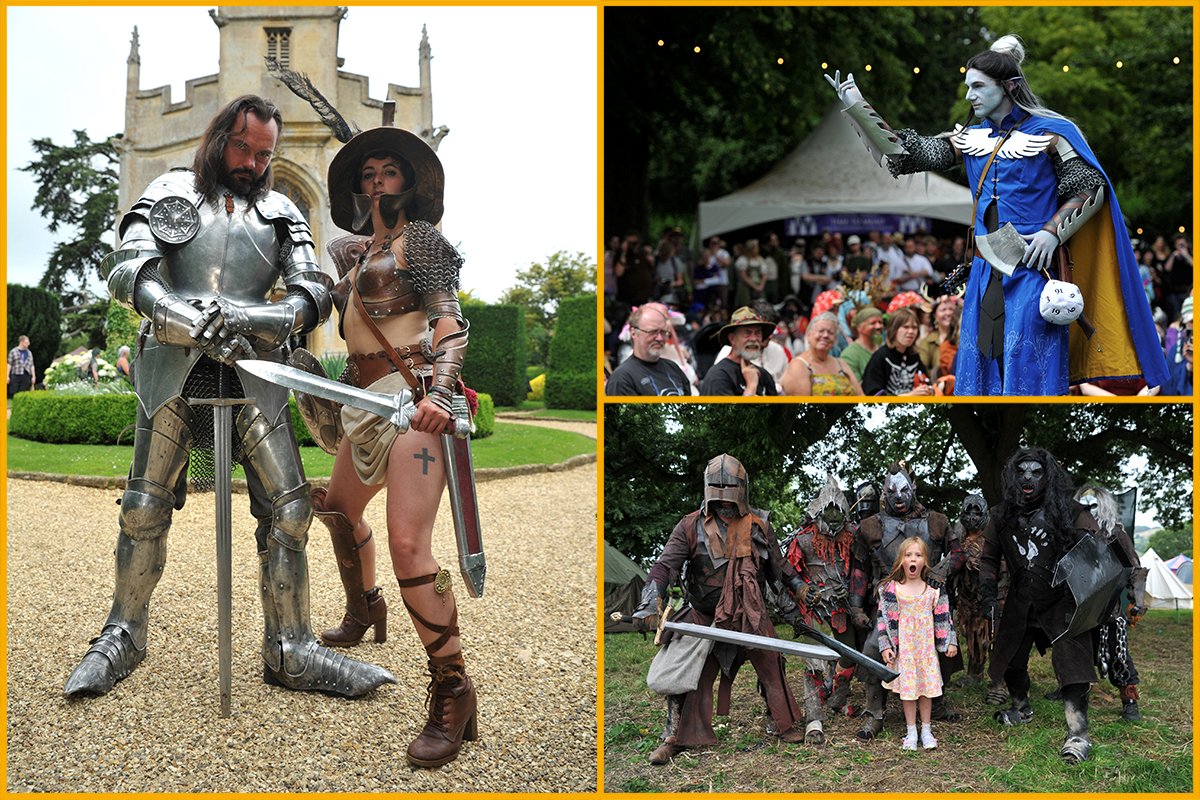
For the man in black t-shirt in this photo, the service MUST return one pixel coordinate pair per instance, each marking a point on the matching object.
(646, 372)
(735, 374)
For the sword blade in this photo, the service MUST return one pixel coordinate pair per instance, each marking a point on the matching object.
(397, 409)
(464, 508)
(750, 640)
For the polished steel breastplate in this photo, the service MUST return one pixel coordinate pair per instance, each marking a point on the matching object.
(234, 254)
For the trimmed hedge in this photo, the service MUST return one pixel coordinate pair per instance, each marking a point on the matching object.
(496, 359)
(60, 418)
(485, 420)
(571, 376)
(73, 419)
(35, 313)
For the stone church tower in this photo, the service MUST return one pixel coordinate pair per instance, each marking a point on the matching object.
(161, 134)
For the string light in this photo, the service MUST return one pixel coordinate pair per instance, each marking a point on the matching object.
(1175, 60)
(1120, 64)
(1066, 68)
(780, 62)
(867, 67)
(696, 49)
(661, 42)
(916, 70)
(824, 65)
(1182, 229)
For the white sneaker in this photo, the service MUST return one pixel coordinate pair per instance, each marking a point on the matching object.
(928, 742)
(910, 742)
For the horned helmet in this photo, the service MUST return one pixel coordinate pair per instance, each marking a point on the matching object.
(725, 481)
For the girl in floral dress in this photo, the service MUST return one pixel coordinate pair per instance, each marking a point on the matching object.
(914, 626)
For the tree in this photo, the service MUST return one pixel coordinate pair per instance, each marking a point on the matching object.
(37, 314)
(541, 286)
(655, 455)
(539, 290)
(683, 126)
(1170, 542)
(77, 192)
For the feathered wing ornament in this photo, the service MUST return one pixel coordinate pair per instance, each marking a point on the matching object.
(302, 87)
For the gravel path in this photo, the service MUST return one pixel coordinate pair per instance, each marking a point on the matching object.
(530, 645)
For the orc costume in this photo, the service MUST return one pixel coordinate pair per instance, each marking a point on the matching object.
(1006, 346)
(875, 551)
(973, 627)
(1115, 660)
(178, 253)
(820, 552)
(725, 563)
(1032, 529)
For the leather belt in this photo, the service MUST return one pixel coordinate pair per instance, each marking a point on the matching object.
(373, 366)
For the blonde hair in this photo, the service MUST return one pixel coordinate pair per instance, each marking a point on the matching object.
(897, 573)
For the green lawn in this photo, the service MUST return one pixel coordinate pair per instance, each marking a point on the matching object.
(975, 755)
(511, 445)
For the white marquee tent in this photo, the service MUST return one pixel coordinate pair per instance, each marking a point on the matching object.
(831, 172)
(1163, 589)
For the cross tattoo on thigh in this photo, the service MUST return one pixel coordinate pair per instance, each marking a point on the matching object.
(425, 459)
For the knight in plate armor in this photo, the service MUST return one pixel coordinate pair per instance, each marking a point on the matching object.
(1031, 167)
(1037, 523)
(397, 301)
(725, 554)
(875, 550)
(820, 552)
(201, 253)
(973, 627)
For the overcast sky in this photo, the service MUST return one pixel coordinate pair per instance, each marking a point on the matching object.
(516, 87)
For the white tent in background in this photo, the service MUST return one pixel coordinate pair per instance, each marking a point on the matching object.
(1163, 589)
(830, 173)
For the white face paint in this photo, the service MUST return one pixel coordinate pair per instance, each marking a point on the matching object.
(986, 97)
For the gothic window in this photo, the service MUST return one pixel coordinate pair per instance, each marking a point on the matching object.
(279, 45)
(294, 193)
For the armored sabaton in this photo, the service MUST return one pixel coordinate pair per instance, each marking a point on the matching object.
(181, 260)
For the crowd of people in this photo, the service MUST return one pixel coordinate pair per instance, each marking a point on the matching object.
(839, 315)
(900, 587)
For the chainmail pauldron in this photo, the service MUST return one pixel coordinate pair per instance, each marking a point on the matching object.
(205, 381)
(1074, 176)
(925, 154)
(433, 261)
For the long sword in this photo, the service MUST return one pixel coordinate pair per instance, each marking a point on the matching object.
(397, 409)
(751, 640)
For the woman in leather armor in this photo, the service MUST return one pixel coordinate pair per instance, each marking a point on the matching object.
(399, 314)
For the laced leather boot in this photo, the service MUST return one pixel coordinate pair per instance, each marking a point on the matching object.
(364, 608)
(451, 699)
(452, 713)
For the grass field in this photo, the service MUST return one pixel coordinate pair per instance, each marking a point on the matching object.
(511, 445)
(975, 755)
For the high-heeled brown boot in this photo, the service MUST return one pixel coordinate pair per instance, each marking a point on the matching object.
(451, 700)
(364, 607)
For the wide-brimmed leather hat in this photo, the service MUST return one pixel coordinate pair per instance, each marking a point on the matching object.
(741, 318)
(344, 175)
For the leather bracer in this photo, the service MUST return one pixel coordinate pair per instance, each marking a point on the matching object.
(448, 360)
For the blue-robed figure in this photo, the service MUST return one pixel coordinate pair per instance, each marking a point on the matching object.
(1033, 169)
